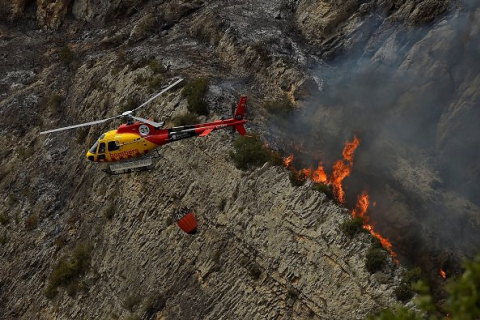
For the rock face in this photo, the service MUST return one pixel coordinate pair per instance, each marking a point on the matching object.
(264, 249)
(51, 14)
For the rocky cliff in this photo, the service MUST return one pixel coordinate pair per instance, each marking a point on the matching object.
(264, 249)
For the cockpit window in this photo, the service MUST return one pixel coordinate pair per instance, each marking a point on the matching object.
(101, 149)
(113, 145)
(101, 137)
(93, 149)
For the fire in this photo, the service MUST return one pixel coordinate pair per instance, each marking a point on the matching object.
(288, 160)
(443, 274)
(319, 175)
(349, 149)
(361, 211)
(341, 170)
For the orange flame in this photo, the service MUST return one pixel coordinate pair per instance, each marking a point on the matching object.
(288, 160)
(343, 168)
(349, 149)
(361, 211)
(307, 173)
(443, 274)
(319, 175)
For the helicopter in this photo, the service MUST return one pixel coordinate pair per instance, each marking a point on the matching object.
(131, 145)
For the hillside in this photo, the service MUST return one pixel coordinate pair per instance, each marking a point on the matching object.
(402, 75)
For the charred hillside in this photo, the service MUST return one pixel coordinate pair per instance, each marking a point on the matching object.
(76, 243)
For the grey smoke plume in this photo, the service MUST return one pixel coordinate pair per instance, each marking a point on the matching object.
(414, 101)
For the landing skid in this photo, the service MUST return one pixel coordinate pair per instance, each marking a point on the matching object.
(130, 166)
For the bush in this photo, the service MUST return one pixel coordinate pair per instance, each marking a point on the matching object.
(222, 204)
(69, 269)
(54, 102)
(403, 292)
(280, 108)
(4, 219)
(82, 135)
(131, 103)
(185, 119)
(251, 152)
(154, 83)
(109, 212)
(375, 259)
(3, 239)
(254, 271)
(67, 56)
(412, 276)
(156, 67)
(352, 226)
(31, 222)
(326, 189)
(153, 304)
(131, 302)
(195, 92)
(297, 179)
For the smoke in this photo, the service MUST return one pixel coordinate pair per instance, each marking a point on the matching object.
(414, 102)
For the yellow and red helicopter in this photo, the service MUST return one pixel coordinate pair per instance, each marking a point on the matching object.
(129, 145)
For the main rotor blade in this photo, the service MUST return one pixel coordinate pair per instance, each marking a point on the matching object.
(80, 125)
(158, 94)
(152, 123)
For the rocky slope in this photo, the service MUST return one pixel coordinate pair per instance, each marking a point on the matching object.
(264, 249)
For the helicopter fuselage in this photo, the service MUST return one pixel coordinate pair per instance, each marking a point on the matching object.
(138, 139)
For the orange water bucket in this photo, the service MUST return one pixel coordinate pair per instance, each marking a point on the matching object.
(188, 223)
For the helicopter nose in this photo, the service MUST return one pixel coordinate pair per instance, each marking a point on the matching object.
(90, 156)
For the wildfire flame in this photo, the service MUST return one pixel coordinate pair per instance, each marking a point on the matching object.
(319, 175)
(342, 169)
(288, 160)
(443, 274)
(361, 211)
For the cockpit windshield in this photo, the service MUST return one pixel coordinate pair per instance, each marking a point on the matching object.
(93, 149)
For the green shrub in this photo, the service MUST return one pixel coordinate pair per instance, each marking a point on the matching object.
(3, 239)
(375, 259)
(280, 108)
(54, 102)
(461, 302)
(399, 313)
(67, 56)
(185, 119)
(222, 204)
(262, 51)
(153, 304)
(4, 219)
(254, 271)
(297, 179)
(195, 92)
(326, 189)
(131, 103)
(352, 226)
(156, 67)
(11, 199)
(82, 135)
(69, 270)
(31, 222)
(412, 276)
(109, 212)
(251, 152)
(131, 302)
(155, 82)
(60, 241)
(403, 292)
(25, 153)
